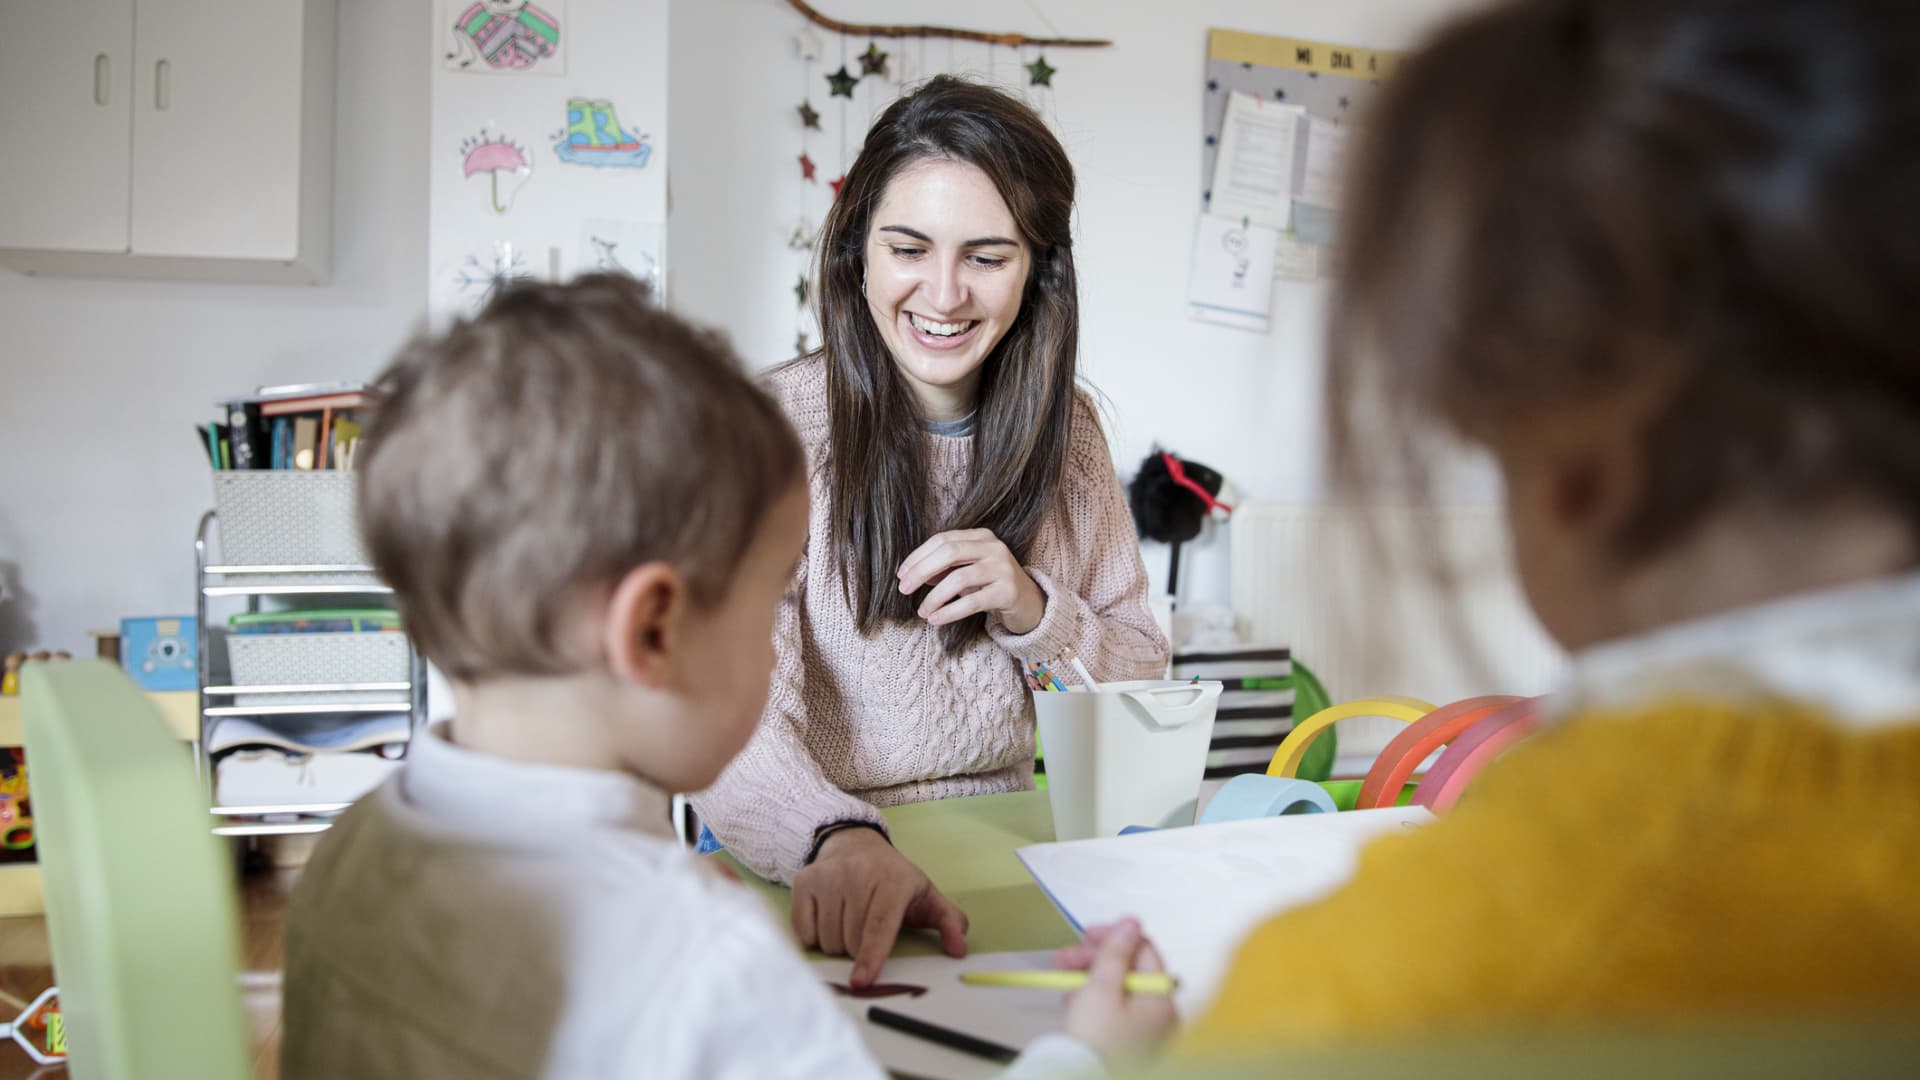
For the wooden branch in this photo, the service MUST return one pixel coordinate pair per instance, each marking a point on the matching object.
(1013, 40)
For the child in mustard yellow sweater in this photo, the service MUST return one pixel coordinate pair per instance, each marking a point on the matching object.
(1660, 259)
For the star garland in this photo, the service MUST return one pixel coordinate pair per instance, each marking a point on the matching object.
(895, 68)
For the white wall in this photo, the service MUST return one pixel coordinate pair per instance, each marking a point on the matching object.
(1244, 403)
(104, 380)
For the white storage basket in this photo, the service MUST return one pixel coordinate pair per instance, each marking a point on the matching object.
(315, 659)
(287, 518)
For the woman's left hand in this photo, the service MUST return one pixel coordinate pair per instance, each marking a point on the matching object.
(973, 572)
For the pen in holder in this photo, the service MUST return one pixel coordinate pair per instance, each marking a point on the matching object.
(1041, 680)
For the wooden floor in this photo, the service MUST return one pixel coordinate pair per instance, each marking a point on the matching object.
(26, 969)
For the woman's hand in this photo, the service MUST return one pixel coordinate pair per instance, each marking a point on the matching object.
(857, 894)
(974, 572)
(1116, 1024)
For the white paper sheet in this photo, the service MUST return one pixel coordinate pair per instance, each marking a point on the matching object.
(1253, 174)
(1323, 180)
(1199, 891)
(1231, 280)
(1010, 1016)
(1296, 260)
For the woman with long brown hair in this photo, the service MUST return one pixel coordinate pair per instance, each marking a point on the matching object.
(967, 520)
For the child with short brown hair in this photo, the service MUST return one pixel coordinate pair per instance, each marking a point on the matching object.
(588, 516)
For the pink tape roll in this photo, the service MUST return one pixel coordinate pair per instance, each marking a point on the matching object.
(1472, 750)
(1395, 765)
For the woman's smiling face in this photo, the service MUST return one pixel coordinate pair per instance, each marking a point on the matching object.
(945, 271)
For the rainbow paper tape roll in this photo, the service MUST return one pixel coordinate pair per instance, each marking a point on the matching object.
(1417, 741)
(1251, 795)
(1286, 759)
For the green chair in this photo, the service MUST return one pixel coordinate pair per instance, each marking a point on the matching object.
(1310, 697)
(140, 896)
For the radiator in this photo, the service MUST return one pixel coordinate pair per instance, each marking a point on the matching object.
(1348, 590)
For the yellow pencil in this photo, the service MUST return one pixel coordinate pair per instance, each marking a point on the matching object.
(1139, 982)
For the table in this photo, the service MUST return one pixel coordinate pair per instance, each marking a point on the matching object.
(967, 847)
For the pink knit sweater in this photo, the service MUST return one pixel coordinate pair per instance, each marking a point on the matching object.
(855, 723)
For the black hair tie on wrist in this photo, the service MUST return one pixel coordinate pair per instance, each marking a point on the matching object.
(821, 834)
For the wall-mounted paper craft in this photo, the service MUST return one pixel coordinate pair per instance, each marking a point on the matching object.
(593, 136)
(494, 155)
(506, 37)
(625, 247)
(1231, 280)
(479, 277)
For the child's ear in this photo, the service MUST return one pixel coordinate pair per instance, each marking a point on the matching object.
(1595, 484)
(643, 623)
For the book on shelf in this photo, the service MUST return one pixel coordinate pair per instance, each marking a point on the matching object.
(306, 432)
(307, 426)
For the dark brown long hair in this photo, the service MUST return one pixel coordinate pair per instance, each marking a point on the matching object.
(876, 459)
(1559, 198)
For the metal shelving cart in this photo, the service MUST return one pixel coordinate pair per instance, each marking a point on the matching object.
(268, 703)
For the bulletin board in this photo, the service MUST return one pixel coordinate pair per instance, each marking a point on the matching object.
(1329, 81)
(1277, 116)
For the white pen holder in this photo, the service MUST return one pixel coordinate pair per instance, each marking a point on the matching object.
(1132, 753)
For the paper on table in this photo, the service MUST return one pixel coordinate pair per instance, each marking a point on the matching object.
(1010, 1016)
(1199, 891)
(1231, 281)
(1253, 175)
(1323, 179)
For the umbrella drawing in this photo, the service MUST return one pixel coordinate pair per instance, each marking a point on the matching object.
(494, 155)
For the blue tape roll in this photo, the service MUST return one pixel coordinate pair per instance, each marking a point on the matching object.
(1252, 795)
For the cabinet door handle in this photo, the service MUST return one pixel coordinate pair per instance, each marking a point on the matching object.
(102, 78)
(162, 85)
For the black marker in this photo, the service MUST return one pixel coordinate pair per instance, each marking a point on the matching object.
(946, 1037)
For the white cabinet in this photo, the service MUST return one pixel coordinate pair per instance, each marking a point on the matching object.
(66, 124)
(185, 139)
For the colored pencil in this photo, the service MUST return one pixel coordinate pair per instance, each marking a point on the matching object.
(947, 1037)
(1138, 982)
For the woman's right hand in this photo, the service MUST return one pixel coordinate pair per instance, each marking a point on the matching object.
(859, 892)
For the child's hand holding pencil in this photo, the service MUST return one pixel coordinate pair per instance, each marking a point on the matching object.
(1106, 1013)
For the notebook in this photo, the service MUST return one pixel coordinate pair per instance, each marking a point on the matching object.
(1199, 891)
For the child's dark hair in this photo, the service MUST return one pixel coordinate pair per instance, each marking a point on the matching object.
(1562, 198)
(561, 437)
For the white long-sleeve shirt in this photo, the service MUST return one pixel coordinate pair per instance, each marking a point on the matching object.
(477, 918)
